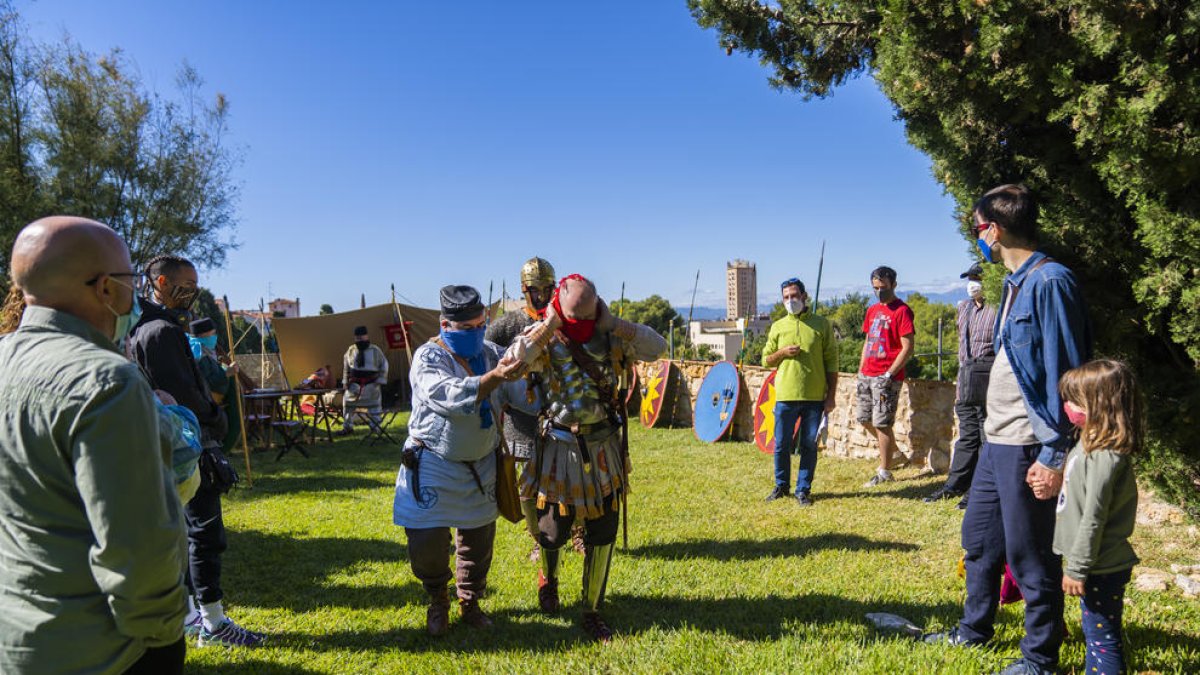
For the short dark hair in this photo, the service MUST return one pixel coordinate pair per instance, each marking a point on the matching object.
(884, 273)
(166, 265)
(1013, 208)
(792, 282)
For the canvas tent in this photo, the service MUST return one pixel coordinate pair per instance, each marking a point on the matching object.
(309, 342)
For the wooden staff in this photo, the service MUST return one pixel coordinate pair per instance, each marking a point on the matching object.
(241, 407)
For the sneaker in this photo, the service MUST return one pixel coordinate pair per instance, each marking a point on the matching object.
(1025, 667)
(940, 494)
(344, 431)
(229, 634)
(803, 499)
(778, 492)
(595, 627)
(962, 503)
(950, 637)
(879, 478)
(191, 629)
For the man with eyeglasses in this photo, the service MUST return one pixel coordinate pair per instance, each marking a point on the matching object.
(159, 344)
(801, 345)
(93, 540)
(1042, 331)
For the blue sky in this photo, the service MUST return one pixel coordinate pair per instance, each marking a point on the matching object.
(428, 143)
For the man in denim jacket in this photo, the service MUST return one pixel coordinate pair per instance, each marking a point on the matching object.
(1041, 332)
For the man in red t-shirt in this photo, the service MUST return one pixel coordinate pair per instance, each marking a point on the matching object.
(889, 344)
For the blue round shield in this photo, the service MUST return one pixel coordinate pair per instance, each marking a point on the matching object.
(716, 402)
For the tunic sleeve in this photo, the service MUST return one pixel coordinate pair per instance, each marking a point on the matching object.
(647, 344)
(436, 381)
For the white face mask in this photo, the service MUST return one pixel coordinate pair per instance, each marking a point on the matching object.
(794, 305)
(974, 289)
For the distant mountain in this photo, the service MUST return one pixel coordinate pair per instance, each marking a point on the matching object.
(718, 313)
(948, 297)
(703, 313)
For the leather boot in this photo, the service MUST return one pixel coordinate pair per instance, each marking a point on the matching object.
(595, 578)
(548, 582)
(473, 616)
(437, 617)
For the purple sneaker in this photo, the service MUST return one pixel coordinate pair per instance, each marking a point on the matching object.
(229, 634)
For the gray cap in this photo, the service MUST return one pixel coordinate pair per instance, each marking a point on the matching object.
(976, 270)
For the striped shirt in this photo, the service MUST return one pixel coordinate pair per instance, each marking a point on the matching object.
(976, 328)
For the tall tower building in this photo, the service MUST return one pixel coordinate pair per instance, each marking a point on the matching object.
(741, 289)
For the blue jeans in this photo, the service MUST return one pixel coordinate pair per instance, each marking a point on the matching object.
(786, 413)
(1102, 603)
(1004, 521)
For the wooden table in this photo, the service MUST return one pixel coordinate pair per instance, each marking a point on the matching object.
(276, 418)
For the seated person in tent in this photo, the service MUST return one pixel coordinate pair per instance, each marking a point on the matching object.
(364, 372)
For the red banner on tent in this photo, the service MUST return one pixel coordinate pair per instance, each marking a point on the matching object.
(397, 334)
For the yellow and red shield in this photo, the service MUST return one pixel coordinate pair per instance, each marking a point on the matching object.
(654, 393)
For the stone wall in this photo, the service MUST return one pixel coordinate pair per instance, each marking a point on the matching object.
(925, 424)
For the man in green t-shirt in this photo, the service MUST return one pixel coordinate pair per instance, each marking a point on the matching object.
(801, 345)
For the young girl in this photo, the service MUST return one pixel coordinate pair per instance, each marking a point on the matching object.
(1098, 503)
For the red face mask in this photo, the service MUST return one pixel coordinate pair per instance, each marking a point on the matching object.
(1076, 417)
(576, 330)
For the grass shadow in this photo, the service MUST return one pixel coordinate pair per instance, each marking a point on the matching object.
(752, 549)
(758, 619)
(269, 485)
(913, 491)
(255, 666)
(309, 562)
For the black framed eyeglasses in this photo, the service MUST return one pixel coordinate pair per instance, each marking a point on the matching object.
(137, 280)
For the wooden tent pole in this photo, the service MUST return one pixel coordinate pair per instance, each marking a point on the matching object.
(241, 405)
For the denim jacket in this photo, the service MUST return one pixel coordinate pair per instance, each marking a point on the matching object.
(1046, 333)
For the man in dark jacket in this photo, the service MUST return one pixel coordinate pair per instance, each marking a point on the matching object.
(159, 344)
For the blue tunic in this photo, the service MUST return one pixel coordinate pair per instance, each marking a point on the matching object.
(446, 429)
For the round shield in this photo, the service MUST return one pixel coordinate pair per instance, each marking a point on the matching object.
(654, 392)
(716, 402)
(633, 397)
(764, 416)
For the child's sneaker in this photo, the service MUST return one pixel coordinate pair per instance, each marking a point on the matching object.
(879, 478)
(229, 634)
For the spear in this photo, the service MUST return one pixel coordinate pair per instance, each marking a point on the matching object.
(489, 305)
(238, 384)
(820, 269)
(691, 307)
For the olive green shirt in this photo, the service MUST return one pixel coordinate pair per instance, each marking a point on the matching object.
(91, 530)
(1096, 512)
(802, 377)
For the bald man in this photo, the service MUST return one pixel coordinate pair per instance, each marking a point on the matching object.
(578, 353)
(91, 530)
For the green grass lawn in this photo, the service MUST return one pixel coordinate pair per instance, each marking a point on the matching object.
(713, 580)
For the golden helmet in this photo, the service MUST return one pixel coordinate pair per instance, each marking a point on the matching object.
(537, 272)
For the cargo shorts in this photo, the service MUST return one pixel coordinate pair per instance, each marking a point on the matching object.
(876, 400)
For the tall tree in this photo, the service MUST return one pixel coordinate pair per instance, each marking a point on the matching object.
(80, 134)
(1094, 106)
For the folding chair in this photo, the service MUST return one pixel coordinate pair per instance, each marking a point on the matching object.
(377, 432)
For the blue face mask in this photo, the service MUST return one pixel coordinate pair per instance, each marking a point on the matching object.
(126, 321)
(466, 343)
(985, 250)
(198, 344)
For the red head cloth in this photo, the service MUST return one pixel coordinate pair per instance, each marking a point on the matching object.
(577, 330)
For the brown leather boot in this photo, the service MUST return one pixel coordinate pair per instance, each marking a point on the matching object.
(437, 617)
(595, 627)
(473, 616)
(548, 594)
